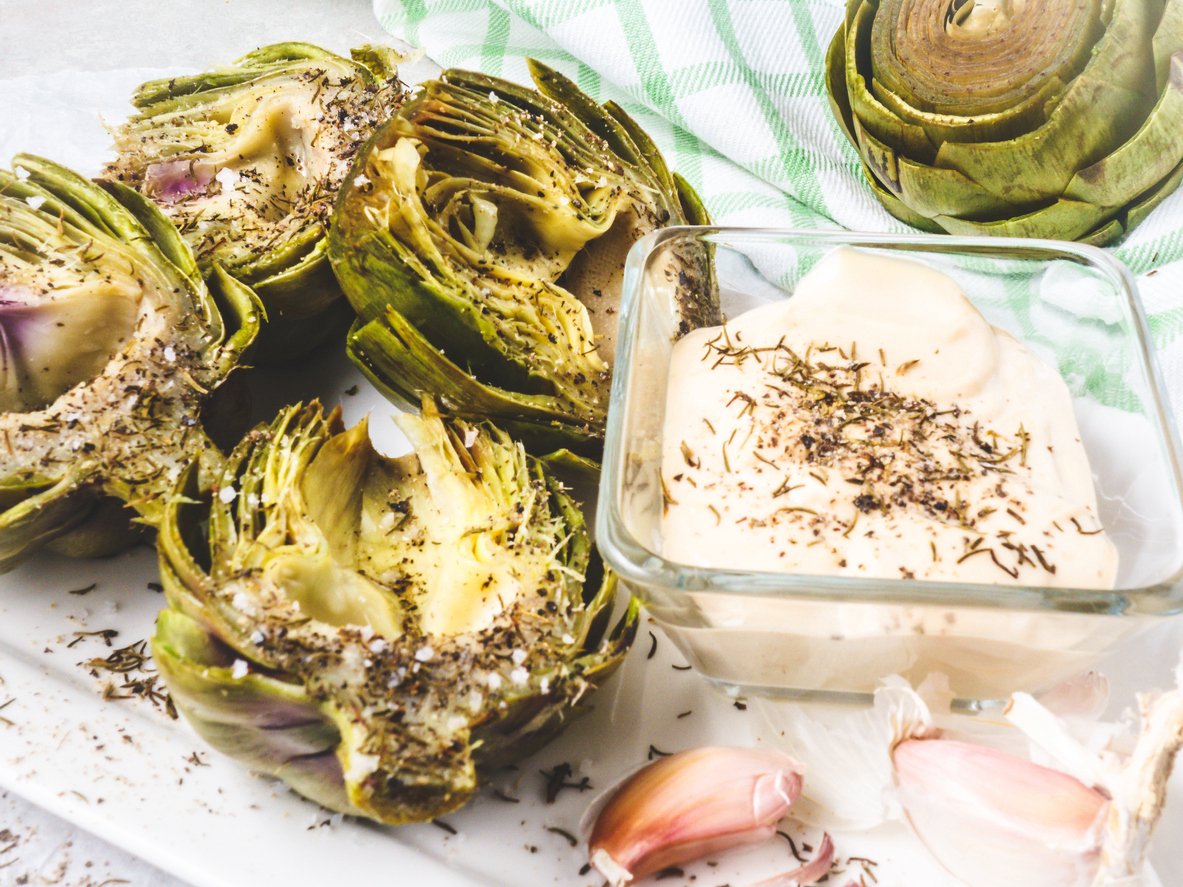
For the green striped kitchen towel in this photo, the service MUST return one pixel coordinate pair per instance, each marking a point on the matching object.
(733, 92)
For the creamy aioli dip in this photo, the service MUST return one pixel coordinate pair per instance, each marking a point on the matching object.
(875, 424)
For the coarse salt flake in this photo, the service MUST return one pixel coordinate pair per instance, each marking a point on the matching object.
(227, 494)
(240, 669)
(424, 654)
(35, 201)
(361, 766)
(519, 675)
(518, 656)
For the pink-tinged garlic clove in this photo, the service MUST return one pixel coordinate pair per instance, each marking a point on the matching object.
(690, 804)
(810, 872)
(992, 818)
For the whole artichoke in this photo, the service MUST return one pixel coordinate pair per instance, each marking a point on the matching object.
(481, 236)
(247, 160)
(1058, 118)
(375, 631)
(111, 346)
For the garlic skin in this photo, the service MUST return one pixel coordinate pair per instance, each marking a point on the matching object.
(690, 804)
(1040, 794)
(992, 818)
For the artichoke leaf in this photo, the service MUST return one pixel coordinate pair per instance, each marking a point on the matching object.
(482, 625)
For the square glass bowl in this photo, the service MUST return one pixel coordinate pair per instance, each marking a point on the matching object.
(787, 634)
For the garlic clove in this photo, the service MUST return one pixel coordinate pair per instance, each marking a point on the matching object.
(992, 818)
(808, 873)
(690, 804)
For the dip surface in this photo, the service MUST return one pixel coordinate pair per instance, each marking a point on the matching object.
(876, 425)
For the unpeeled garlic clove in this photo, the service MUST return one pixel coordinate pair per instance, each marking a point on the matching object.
(992, 818)
(690, 804)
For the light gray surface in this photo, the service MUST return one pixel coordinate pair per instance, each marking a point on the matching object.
(103, 34)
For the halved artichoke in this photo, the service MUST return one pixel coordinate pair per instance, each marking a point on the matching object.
(1058, 118)
(481, 237)
(110, 347)
(376, 631)
(247, 160)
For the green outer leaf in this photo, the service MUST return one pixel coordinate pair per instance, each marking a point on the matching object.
(380, 61)
(402, 364)
(239, 304)
(560, 89)
(269, 725)
(1147, 157)
(39, 517)
(168, 93)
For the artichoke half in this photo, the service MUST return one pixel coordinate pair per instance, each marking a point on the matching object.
(481, 237)
(247, 160)
(111, 345)
(376, 631)
(1057, 118)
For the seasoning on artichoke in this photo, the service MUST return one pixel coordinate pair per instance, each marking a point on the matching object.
(247, 160)
(1055, 119)
(481, 236)
(377, 631)
(110, 347)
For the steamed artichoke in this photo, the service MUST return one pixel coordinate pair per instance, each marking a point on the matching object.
(1056, 118)
(110, 347)
(247, 160)
(481, 235)
(375, 631)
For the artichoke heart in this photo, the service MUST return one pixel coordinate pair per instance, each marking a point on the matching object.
(1027, 118)
(481, 237)
(247, 160)
(377, 631)
(111, 345)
